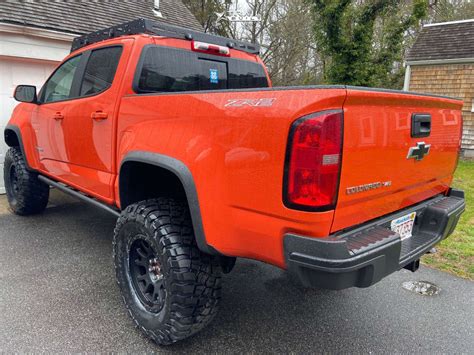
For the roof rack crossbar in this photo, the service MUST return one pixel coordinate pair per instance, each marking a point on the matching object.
(143, 26)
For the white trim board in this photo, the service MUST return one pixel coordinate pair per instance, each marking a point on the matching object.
(37, 32)
(441, 61)
(448, 23)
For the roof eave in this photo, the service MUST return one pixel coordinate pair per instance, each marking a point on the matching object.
(36, 31)
(448, 23)
(439, 61)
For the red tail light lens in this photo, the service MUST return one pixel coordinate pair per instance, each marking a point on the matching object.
(314, 162)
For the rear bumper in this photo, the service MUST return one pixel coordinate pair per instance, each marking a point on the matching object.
(366, 254)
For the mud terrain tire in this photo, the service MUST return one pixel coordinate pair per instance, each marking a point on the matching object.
(170, 288)
(26, 194)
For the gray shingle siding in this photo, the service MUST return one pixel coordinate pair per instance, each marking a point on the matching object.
(446, 41)
(80, 17)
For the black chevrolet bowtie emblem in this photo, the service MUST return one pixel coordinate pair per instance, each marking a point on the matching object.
(419, 151)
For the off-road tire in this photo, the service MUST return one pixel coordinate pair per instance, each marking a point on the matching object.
(26, 194)
(191, 280)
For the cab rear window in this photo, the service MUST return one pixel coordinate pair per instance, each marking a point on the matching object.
(163, 69)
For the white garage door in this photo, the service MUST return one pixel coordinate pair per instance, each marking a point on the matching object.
(13, 72)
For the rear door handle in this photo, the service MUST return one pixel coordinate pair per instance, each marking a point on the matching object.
(58, 116)
(420, 125)
(99, 115)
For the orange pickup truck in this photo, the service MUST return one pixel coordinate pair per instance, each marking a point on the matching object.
(181, 136)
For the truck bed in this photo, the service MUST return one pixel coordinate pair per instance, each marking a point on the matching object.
(236, 142)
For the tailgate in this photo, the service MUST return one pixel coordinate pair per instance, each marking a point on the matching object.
(377, 176)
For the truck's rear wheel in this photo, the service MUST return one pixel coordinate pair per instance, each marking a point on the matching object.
(170, 288)
(26, 194)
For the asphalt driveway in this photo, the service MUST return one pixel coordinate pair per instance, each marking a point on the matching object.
(58, 293)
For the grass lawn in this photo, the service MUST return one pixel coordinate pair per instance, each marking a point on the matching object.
(456, 253)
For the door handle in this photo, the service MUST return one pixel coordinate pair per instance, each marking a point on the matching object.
(99, 115)
(58, 116)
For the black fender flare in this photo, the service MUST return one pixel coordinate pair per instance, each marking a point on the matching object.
(183, 173)
(7, 135)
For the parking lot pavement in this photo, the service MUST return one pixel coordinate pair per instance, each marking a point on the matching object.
(58, 293)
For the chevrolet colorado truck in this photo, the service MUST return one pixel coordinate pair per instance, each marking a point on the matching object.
(181, 136)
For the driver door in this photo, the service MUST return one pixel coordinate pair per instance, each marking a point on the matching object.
(75, 120)
(48, 118)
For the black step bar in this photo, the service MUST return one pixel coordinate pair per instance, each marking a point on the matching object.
(80, 195)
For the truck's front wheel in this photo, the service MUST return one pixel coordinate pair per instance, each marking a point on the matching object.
(170, 288)
(26, 194)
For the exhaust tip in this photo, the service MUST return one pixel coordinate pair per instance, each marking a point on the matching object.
(413, 266)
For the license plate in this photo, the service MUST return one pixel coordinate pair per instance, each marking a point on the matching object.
(404, 225)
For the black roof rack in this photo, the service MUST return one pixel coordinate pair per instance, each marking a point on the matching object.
(160, 29)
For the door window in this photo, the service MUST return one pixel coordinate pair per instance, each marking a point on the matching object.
(100, 70)
(59, 85)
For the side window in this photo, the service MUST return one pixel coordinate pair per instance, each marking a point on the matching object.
(58, 87)
(100, 70)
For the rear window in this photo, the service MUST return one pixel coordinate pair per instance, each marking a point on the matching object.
(174, 70)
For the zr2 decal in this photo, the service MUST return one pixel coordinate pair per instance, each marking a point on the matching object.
(267, 102)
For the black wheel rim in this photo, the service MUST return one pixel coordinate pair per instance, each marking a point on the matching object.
(147, 275)
(14, 182)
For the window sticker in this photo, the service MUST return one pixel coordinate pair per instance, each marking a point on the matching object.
(214, 76)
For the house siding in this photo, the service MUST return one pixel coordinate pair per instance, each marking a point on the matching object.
(454, 80)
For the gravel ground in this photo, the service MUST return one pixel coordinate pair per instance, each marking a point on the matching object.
(58, 294)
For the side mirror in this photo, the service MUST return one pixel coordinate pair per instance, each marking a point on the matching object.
(25, 93)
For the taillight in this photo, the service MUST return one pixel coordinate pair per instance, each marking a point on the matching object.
(313, 161)
(210, 48)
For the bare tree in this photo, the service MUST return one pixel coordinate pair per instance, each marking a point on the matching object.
(284, 34)
(209, 12)
(451, 10)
